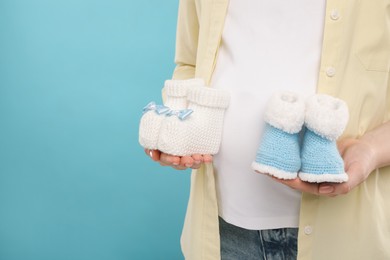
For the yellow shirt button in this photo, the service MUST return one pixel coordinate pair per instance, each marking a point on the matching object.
(330, 71)
(308, 230)
(334, 14)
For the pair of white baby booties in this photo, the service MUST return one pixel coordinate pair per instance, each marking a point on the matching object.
(190, 121)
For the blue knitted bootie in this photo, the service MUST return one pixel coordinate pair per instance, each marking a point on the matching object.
(278, 154)
(325, 120)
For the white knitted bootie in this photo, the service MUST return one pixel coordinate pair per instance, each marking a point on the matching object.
(201, 132)
(176, 99)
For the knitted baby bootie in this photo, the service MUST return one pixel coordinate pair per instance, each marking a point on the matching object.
(278, 154)
(325, 120)
(201, 132)
(176, 98)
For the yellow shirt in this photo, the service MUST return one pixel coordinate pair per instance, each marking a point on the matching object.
(355, 66)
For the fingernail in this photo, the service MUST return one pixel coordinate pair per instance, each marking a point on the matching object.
(197, 162)
(175, 163)
(326, 189)
(188, 165)
(151, 154)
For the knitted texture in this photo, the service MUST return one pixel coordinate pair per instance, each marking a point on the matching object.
(278, 154)
(321, 161)
(176, 99)
(325, 119)
(200, 133)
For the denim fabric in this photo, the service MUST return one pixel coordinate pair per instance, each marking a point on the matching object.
(242, 244)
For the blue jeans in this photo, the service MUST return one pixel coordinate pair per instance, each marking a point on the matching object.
(242, 244)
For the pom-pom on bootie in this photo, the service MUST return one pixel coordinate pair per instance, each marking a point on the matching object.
(325, 119)
(201, 132)
(176, 99)
(278, 154)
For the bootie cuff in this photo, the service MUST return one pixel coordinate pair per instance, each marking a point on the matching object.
(326, 116)
(179, 88)
(209, 97)
(286, 111)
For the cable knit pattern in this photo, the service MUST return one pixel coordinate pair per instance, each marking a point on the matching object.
(326, 118)
(279, 154)
(176, 98)
(200, 133)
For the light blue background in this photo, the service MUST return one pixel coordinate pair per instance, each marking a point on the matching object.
(74, 182)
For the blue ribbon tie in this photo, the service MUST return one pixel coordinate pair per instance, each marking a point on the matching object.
(161, 109)
(181, 114)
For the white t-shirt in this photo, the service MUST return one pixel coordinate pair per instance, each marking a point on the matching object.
(266, 46)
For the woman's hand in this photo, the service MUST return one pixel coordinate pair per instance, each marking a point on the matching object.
(361, 157)
(179, 162)
(359, 161)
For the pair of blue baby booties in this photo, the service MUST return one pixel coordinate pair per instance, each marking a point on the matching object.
(299, 138)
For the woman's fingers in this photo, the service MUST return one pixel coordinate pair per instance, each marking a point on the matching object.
(179, 162)
(153, 154)
(169, 160)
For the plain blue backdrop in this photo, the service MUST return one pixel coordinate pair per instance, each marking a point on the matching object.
(74, 182)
